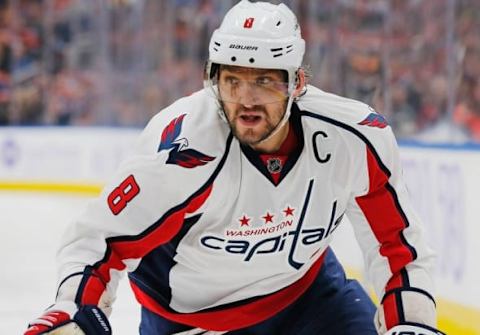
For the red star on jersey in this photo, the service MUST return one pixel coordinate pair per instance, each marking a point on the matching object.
(244, 221)
(288, 211)
(268, 218)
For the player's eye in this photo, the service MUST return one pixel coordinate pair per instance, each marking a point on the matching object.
(232, 81)
(263, 81)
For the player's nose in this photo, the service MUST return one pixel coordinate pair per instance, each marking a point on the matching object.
(248, 95)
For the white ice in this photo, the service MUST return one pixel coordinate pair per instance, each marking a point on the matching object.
(30, 229)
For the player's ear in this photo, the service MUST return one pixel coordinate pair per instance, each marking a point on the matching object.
(300, 83)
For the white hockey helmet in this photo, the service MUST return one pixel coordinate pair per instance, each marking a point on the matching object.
(257, 35)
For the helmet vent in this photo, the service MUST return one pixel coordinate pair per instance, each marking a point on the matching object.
(279, 23)
(251, 60)
(216, 45)
(279, 51)
(234, 59)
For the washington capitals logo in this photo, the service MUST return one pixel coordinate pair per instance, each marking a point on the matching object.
(180, 155)
(374, 120)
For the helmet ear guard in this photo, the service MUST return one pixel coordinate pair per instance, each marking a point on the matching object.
(210, 70)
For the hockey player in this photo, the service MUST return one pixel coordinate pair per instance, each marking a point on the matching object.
(223, 224)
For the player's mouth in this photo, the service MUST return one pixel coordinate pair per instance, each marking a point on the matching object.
(250, 119)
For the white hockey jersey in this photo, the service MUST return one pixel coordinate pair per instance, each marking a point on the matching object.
(208, 238)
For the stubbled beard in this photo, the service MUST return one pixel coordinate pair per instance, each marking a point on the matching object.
(247, 137)
(248, 140)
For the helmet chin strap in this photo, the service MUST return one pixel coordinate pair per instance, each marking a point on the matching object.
(282, 122)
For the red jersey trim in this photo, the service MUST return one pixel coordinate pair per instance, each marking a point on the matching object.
(387, 220)
(237, 317)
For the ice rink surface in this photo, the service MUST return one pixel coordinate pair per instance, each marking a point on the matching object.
(31, 226)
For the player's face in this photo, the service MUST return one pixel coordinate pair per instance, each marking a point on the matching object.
(254, 101)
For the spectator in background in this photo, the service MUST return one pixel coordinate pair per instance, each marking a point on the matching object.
(467, 111)
(434, 102)
(4, 98)
(71, 98)
(403, 115)
(5, 65)
(362, 74)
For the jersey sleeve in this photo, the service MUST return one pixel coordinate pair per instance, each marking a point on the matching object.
(397, 258)
(142, 207)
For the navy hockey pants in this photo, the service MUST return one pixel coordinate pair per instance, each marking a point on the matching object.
(333, 305)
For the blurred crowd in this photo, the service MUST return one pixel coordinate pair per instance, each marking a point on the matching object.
(118, 62)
